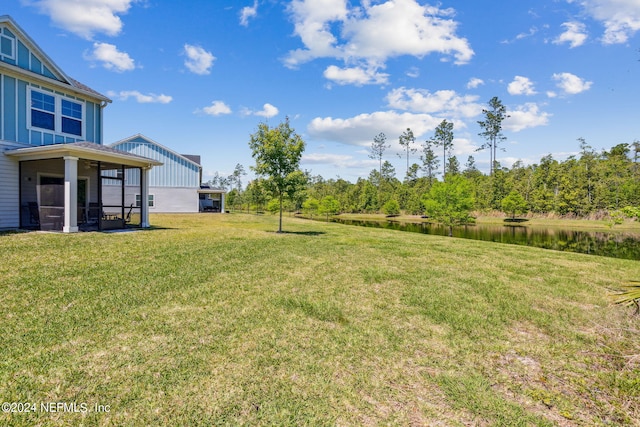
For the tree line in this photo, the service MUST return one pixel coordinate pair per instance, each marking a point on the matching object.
(590, 184)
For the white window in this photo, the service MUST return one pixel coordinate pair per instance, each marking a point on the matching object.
(55, 113)
(151, 200)
(7, 47)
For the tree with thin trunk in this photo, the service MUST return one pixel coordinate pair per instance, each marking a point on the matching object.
(407, 141)
(492, 128)
(377, 149)
(443, 137)
(429, 161)
(277, 152)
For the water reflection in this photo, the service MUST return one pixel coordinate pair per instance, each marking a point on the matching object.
(624, 245)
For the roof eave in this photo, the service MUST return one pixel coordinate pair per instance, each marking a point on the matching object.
(62, 150)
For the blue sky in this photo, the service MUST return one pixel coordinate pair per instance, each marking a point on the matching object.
(199, 75)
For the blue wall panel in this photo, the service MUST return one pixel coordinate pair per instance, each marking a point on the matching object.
(36, 138)
(23, 56)
(9, 114)
(23, 132)
(36, 65)
(90, 122)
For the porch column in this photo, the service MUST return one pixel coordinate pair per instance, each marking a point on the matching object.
(221, 202)
(144, 198)
(70, 195)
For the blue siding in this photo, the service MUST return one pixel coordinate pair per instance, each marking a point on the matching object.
(23, 56)
(23, 132)
(14, 118)
(90, 122)
(36, 65)
(36, 138)
(47, 73)
(14, 94)
(9, 113)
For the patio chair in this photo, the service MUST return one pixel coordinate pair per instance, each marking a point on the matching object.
(34, 213)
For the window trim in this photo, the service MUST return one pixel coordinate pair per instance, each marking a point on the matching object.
(151, 200)
(58, 115)
(13, 47)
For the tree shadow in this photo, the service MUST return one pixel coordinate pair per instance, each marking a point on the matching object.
(301, 233)
(517, 220)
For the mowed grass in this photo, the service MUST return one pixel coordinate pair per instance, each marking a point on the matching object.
(218, 320)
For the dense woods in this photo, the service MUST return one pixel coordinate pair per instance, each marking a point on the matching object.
(590, 183)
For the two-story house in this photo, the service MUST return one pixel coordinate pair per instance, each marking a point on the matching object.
(52, 159)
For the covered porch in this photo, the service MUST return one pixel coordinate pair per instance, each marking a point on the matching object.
(211, 199)
(81, 186)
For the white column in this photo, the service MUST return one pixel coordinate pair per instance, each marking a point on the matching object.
(144, 198)
(70, 195)
(222, 203)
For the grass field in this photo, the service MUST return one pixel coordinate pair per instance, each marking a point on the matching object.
(217, 320)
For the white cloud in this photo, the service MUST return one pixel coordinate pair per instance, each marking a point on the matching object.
(570, 83)
(443, 101)
(216, 108)
(339, 161)
(248, 12)
(85, 18)
(413, 72)
(110, 57)
(267, 111)
(521, 86)
(361, 129)
(474, 82)
(141, 98)
(525, 116)
(354, 75)
(621, 18)
(199, 61)
(464, 146)
(575, 34)
(373, 32)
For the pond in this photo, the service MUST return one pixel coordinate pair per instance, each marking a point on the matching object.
(614, 244)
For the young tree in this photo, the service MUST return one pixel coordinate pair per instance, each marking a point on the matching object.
(235, 179)
(492, 128)
(429, 161)
(277, 152)
(453, 165)
(329, 206)
(406, 141)
(392, 207)
(443, 137)
(378, 146)
(450, 202)
(514, 204)
(311, 206)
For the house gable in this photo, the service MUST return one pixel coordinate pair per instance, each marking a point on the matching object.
(177, 170)
(39, 103)
(18, 49)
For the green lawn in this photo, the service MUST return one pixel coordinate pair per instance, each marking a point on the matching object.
(217, 320)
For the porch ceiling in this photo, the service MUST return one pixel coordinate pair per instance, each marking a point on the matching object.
(82, 150)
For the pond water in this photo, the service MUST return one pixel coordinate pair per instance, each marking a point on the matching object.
(614, 244)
